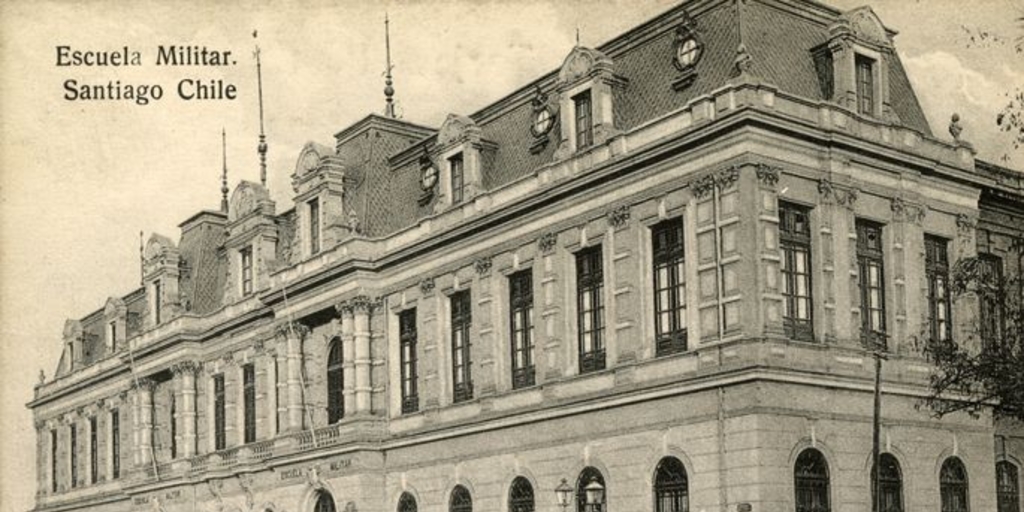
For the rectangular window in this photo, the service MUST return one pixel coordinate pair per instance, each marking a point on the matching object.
(174, 427)
(871, 276)
(795, 242)
(249, 399)
(53, 460)
(314, 226)
(461, 361)
(669, 287)
(590, 309)
(865, 85)
(246, 253)
(936, 264)
(584, 120)
(157, 303)
(521, 321)
(407, 349)
(277, 395)
(219, 440)
(93, 451)
(74, 455)
(458, 169)
(113, 334)
(991, 297)
(115, 443)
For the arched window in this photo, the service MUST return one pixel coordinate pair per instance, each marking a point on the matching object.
(520, 496)
(335, 383)
(953, 485)
(588, 475)
(891, 482)
(1007, 487)
(324, 502)
(812, 485)
(406, 503)
(461, 501)
(671, 489)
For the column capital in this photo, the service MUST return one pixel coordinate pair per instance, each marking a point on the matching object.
(188, 366)
(144, 384)
(365, 303)
(291, 329)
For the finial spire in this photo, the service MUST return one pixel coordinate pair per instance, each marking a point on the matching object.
(224, 172)
(142, 261)
(389, 90)
(261, 148)
(577, 35)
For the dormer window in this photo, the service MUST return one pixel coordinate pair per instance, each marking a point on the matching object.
(112, 334)
(865, 85)
(585, 89)
(456, 169)
(461, 154)
(246, 256)
(852, 66)
(584, 120)
(314, 226)
(687, 52)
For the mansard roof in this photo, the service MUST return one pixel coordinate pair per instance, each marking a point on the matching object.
(778, 35)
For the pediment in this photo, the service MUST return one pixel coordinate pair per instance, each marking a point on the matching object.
(866, 25)
(310, 157)
(246, 198)
(582, 62)
(114, 307)
(156, 246)
(456, 128)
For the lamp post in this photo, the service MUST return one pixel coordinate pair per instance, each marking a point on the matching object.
(595, 495)
(564, 494)
(877, 347)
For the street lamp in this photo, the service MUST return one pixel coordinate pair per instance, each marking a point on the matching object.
(595, 495)
(564, 494)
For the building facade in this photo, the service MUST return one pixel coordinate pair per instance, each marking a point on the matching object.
(652, 279)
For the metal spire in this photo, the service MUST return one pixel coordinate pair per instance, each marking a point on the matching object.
(262, 147)
(224, 172)
(389, 91)
(142, 261)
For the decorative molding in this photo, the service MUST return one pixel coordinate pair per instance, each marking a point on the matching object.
(483, 266)
(703, 186)
(313, 478)
(286, 329)
(842, 196)
(245, 483)
(723, 180)
(427, 285)
(363, 304)
(618, 216)
(768, 175)
(726, 178)
(546, 243)
(185, 366)
(146, 384)
(965, 224)
(903, 211)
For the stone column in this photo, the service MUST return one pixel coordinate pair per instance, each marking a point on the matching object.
(362, 308)
(348, 355)
(293, 335)
(144, 401)
(186, 371)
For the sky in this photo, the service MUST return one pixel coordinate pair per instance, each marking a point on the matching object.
(80, 179)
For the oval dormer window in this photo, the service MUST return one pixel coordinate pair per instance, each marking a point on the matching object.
(688, 51)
